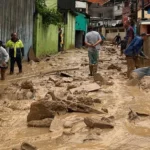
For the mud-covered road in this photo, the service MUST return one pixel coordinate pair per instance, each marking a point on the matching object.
(114, 97)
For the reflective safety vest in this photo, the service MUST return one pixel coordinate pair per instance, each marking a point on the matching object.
(15, 48)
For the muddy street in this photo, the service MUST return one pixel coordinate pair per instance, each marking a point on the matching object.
(68, 110)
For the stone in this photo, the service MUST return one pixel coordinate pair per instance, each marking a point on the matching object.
(105, 110)
(45, 109)
(88, 88)
(68, 124)
(97, 123)
(27, 146)
(29, 95)
(71, 86)
(69, 97)
(27, 85)
(98, 77)
(112, 66)
(97, 100)
(40, 123)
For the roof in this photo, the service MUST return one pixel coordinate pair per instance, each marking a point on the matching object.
(101, 2)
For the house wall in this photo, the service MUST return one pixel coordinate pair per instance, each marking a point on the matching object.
(69, 35)
(81, 22)
(17, 16)
(110, 33)
(46, 38)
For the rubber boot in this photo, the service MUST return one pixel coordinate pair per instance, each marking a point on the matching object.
(95, 69)
(91, 70)
(3, 74)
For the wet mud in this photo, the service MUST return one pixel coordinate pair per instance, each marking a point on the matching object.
(68, 130)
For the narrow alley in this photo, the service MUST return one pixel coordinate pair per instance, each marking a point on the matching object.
(111, 101)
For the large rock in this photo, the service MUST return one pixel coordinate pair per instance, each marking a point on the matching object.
(45, 109)
(97, 123)
(40, 123)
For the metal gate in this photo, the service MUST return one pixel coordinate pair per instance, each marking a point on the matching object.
(17, 16)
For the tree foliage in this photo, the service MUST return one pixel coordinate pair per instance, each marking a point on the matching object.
(49, 16)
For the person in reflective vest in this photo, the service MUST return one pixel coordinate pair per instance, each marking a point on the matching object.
(16, 52)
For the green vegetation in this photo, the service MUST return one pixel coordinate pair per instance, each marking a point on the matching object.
(49, 16)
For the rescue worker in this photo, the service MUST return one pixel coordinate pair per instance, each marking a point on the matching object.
(93, 40)
(4, 58)
(16, 52)
(133, 51)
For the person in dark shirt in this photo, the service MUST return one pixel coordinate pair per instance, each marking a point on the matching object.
(117, 39)
(129, 32)
(133, 51)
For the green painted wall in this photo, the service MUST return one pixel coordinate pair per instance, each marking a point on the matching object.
(81, 22)
(69, 37)
(46, 38)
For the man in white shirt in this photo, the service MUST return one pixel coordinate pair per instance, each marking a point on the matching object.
(93, 40)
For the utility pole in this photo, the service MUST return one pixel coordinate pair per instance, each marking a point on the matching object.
(143, 17)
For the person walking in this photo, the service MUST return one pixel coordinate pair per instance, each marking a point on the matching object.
(4, 58)
(133, 51)
(117, 39)
(92, 41)
(16, 52)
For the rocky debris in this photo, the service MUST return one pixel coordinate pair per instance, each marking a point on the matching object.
(40, 123)
(70, 97)
(112, 66)
(89, 88)
(97, 123)
(25, 146)
(27, 85)
(71, 122)
(110, 49)
(24, 94)
(45, 109)
(71, 86)
(98, 77)
(78, 107)
(132, 115)
(97, 100)
(64, 74)
(145, 83)
(85, 100)
(105, 110)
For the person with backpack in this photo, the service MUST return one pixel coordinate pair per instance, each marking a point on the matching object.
(4, 58)
(133, 51)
